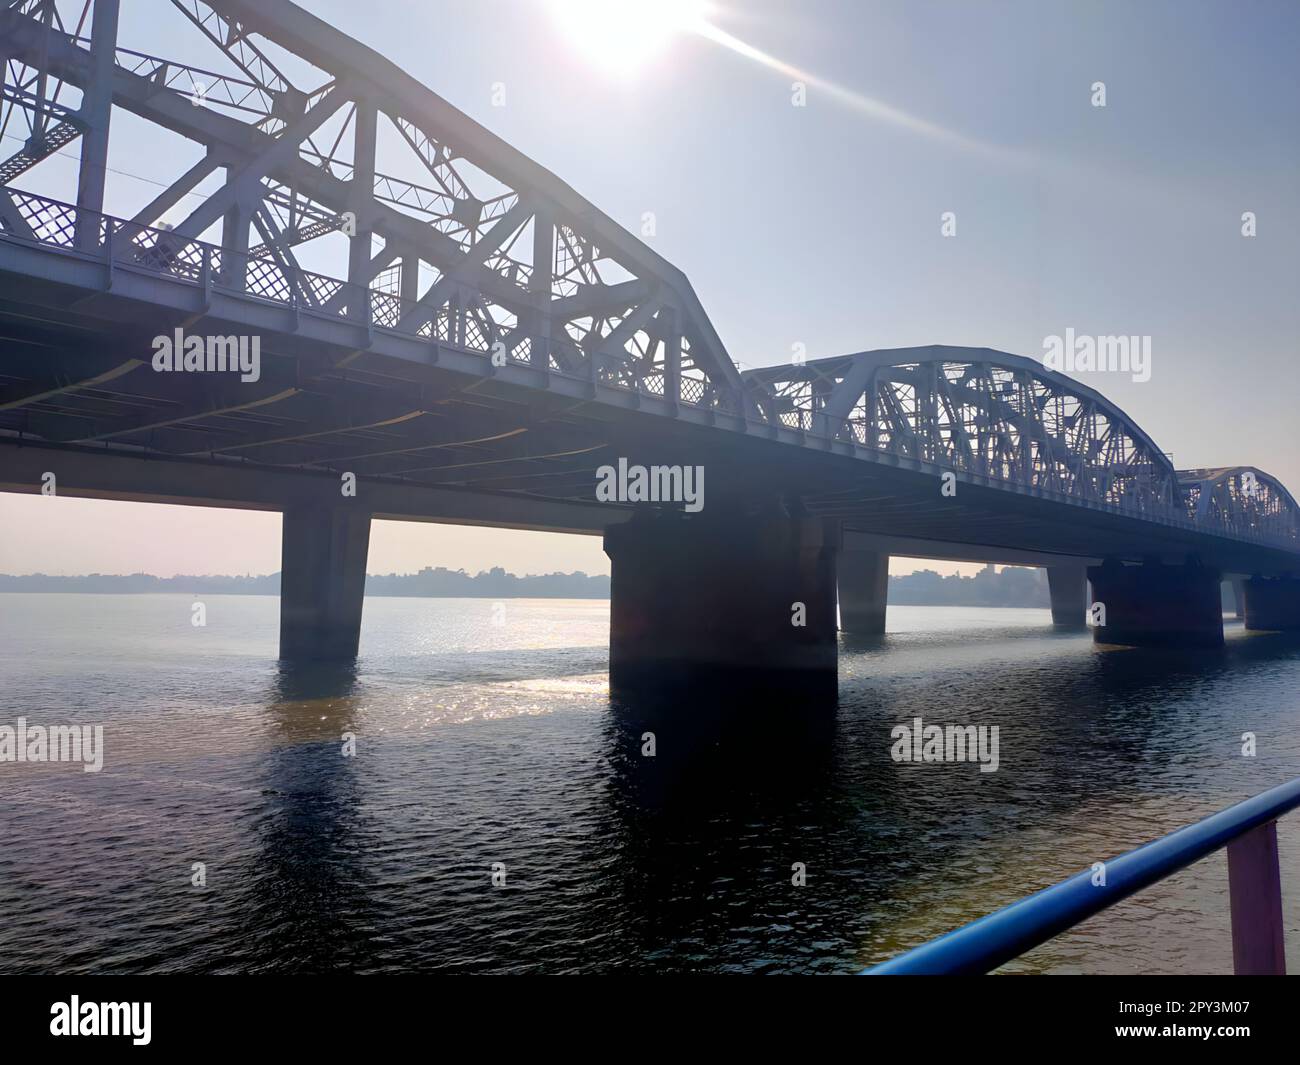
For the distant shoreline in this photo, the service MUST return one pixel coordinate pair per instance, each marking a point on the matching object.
(369, 594)
(428, 583)
(1012, 587)
(484, 598)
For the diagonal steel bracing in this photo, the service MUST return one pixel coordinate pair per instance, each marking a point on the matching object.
(467, 262)
(571, 295)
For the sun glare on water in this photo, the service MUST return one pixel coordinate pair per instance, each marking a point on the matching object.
(622, 36)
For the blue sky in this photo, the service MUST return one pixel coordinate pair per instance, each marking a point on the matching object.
(820, 225)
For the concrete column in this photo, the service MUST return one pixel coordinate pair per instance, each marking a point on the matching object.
(734, 601)
(1239, 596)
(1068, 587)
(863, 578)
(1157, 606)
(322, 581)
(1273, 603)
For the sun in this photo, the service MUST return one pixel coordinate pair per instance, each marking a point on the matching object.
(622, 36)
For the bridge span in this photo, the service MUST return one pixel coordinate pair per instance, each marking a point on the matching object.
(458, 336)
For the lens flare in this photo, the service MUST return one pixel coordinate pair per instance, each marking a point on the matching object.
(622, 36)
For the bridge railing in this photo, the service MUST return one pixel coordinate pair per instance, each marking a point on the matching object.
(1248, 831)
(264, 276)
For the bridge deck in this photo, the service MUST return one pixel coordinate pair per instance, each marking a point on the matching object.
(492, 338)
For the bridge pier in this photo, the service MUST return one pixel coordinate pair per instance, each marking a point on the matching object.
(1157, 606)
(1272, 603)
(1068, 588)
(863, 583)
(736, 602)
(322, 581)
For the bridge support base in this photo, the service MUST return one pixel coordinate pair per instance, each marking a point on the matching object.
(322, 582)
(1068, 587)
(1273, 603)
(735, 602)
(863, 580)
(1157, 606)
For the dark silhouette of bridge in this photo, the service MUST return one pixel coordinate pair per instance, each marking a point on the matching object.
(492, 340)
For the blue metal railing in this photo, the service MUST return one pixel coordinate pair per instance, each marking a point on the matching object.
(1248, 830)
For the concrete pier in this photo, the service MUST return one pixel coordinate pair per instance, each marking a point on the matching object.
(1273, 604)
(736, 602)
(1157, 606)
(1068, 587)
(863, 582)
(322, 581)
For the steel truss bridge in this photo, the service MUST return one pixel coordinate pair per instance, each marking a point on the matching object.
(446, 319)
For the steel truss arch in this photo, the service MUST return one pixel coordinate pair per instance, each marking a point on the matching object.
(478, 246)
(977, 411)
(475, 246)
(1244, 500)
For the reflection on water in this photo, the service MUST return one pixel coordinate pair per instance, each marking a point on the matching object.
(479, 744)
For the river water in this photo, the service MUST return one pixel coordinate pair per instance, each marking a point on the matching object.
(485, 737)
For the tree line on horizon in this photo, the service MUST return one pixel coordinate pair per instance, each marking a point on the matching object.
(431, 582)
(1014, 586)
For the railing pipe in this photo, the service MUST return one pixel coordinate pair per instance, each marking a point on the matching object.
(993, 940)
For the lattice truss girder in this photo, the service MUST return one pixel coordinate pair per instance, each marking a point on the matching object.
(1242, 499)
(458, 237)
(996, 415)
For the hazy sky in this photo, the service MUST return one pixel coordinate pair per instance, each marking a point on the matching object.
(820, 225)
